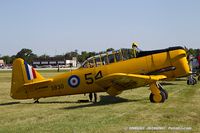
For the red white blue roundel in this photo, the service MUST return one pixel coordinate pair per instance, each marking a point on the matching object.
(74, 81)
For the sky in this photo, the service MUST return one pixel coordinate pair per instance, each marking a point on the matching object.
(54, 27)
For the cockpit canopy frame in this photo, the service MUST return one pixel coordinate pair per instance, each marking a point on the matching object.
(108, 57)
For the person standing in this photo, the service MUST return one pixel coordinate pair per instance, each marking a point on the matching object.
(91, 97)
(95, 97)
(198, 58)
(135, 49)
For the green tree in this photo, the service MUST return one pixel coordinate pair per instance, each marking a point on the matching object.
(7, 59)
(70, 55)
(13, 57)
(84, 55)
(90, 54)
(44, 57)
(59, 57)
(109, 49)
(26, 54)
(194, 52)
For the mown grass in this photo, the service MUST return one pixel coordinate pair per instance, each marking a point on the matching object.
(130, 109)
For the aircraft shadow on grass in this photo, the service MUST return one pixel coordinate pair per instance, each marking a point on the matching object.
(49, 102)
(53, 102)
(9, 103)
(105, 100)
(167, 83)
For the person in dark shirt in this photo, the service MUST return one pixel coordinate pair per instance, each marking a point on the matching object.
(199, 60)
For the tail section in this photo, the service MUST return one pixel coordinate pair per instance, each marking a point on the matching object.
(30, 72)
(22, 74)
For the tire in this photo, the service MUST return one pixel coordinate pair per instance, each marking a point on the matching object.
(195, 81)
(191, 82)
(163, 90)
(151, 98)
(188, 82)
(160, 99)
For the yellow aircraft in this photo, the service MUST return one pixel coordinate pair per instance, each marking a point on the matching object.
(111, 72)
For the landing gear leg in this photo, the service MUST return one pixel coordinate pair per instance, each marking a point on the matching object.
(36, 100)
(90, 96)
(158, 94)
(163, 90)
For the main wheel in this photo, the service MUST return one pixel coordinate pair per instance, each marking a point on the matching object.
(199, 78)
(194, 81)
(157, 98)
(191, 82)
(188, 82)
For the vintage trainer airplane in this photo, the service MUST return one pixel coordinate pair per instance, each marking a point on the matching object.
(111, 72)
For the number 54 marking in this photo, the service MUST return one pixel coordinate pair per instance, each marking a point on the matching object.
(89, 77)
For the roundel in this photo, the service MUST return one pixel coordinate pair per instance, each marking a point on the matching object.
(74, 81)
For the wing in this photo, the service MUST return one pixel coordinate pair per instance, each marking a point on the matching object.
(115, 83)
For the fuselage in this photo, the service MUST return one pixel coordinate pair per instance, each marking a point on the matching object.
(170, 62)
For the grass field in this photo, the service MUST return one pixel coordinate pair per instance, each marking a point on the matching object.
(132, 109)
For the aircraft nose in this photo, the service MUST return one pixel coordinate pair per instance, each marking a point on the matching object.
(181, 64)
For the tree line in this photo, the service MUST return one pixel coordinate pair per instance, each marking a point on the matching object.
(29, 56)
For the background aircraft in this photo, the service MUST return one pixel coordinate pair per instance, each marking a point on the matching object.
(111, 72)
